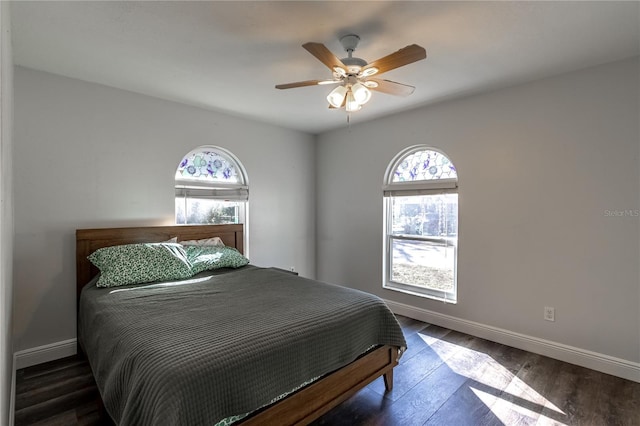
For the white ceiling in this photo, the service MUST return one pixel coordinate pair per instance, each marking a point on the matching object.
(227, 56)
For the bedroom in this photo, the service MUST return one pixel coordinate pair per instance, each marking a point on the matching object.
(540, 162)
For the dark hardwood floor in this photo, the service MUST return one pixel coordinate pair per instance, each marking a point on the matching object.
(444, 378)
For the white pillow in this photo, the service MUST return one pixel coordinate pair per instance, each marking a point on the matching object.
(173, 240)
(209, 242)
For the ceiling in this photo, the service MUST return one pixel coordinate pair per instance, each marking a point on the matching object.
(228, 56)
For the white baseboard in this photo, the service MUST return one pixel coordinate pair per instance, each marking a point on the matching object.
(600, 362)
(45, 353)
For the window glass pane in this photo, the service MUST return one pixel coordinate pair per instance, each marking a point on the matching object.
(424, 264)
(427, 215)
(424, 165)
(208, 166)
(208, 211)
(423, 241)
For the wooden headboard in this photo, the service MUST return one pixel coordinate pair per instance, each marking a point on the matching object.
(90, 240)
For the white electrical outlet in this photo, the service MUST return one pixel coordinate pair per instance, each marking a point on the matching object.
(549, 313)
(292, 269)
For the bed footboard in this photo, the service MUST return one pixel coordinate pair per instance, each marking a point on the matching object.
(311, 402)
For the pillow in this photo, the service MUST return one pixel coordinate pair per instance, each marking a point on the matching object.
(210, 242)
(173, 240)
(140, 263)
(203, 258)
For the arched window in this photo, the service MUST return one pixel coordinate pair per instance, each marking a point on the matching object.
(211, 187)
(421, 224)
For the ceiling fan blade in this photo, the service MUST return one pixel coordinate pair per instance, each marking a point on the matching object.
(299, 84)
(406, 55)
(324, 55)
(392, 88)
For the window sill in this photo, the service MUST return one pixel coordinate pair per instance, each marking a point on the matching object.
(404, 290)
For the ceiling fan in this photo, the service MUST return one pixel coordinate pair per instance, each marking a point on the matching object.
(355, 76)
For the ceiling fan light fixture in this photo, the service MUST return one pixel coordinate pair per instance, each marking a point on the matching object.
(351, 104)
(360, 93)
(336, 96)
(371, 84)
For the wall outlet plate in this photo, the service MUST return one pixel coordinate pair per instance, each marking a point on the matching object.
(549, 313)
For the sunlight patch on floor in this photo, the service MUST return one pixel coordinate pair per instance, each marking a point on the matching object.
(497, 387)
(509, 412)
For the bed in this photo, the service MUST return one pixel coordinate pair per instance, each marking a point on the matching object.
(135, 378)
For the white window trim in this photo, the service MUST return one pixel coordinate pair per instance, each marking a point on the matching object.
(422, 187)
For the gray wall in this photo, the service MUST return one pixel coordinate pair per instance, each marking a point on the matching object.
(6, 216)
(92, 156)
(539, 164)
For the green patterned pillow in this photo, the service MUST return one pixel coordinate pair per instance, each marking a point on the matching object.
(204, 258)
(140, 263)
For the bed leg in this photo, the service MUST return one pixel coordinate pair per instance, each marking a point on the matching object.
(388, 380)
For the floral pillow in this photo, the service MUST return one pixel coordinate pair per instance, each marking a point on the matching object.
(140, 263)
(203, 258)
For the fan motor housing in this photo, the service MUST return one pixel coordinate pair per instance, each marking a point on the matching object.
(349, 43)
(354, 65)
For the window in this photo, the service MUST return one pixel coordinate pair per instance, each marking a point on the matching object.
(421, 224)
(211, 187)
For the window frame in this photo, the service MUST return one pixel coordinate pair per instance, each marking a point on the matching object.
(415, 188)
(216, 190)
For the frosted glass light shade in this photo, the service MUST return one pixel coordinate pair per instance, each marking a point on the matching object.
(336, 97)
(361, 93)
(352, 104)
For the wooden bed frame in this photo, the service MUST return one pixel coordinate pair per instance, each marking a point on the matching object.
(302, 406)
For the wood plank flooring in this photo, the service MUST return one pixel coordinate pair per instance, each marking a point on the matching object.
(444, 378)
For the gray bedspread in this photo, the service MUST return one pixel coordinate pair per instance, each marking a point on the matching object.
(196, 351)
